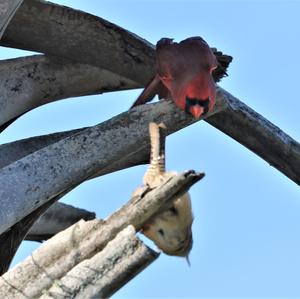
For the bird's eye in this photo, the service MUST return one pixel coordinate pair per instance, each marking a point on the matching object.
(173, 210)
(161, 232)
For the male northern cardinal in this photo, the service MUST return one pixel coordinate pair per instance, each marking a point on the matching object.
(171, 229)
(184, 72)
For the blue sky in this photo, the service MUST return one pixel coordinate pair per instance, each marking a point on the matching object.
(246, 228)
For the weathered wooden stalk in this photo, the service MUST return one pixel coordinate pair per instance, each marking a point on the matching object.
(83, 240)
(107, 271)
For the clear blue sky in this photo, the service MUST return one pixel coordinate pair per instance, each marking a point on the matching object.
(247, 224)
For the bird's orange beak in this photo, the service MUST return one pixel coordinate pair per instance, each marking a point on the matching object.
(196, 111)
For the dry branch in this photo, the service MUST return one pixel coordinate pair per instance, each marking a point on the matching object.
(122, 52)
(13, 151)
(39, 225)
(236, 120)
(11, 239)
(7, 10)
(57, 218)
(79, 36)
(53, 170)
(259, 135)
(60, 254)
(107, 271)
(29, 82)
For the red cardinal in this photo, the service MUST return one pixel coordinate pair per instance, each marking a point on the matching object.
(184, 72)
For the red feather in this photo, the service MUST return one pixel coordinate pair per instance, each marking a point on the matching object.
(184, 72)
